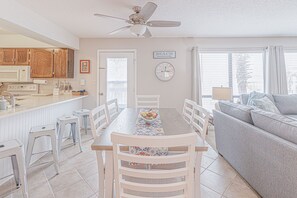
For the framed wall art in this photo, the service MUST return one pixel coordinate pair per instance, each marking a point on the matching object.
(84, 66)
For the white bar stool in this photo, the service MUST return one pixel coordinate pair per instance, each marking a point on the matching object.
(83, 114)
(42, 131)
(75, 130)
(14, 150)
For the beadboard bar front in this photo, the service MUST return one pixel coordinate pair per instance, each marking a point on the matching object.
(18, 126)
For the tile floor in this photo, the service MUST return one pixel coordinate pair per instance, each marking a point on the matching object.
(78, 176)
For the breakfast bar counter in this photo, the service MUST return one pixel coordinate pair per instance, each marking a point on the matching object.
(31, 103)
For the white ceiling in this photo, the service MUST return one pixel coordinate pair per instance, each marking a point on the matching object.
(200, 18)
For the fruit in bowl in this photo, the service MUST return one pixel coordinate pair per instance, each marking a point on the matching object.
(149, 116)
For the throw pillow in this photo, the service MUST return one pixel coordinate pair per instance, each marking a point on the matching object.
(257, 95)
(265, 104)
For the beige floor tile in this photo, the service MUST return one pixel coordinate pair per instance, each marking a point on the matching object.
(94, 196)
(35, 174)
(83, 158)
(40, 190)
(78, 190)
(221, 167)
(211, 153)
(214, 181)
(15, 194)
(93, 182)
(88, 170)
(239, 180)
(202, 170)
(64, 180)
(208, 193)
(7, 186)
(50, 172)
(206, 161)
(236, 190)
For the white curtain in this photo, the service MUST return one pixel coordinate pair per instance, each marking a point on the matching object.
(196, 77)
(276, 77)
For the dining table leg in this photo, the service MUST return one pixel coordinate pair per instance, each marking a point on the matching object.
(101, 173)
(197, 192)
(109, 178)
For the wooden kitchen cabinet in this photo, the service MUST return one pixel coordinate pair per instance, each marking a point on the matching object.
(41, 62)
(7, 56)
(64, 63)
(19, 56)
(22, 56)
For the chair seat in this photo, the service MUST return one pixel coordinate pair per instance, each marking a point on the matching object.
(43, 128)
(69, 118)
(82, 112)
(10, 146)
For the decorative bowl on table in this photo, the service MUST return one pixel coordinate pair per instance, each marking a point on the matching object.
(149, 116)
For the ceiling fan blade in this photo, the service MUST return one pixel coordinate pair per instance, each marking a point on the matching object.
(163, 23)
(119, 30)
(113, 17)
(147, 33)
(148, 10)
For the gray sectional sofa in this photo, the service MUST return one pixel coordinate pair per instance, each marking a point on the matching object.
(261, 145)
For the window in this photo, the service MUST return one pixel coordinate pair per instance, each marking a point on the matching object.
(291, 67)
(117, 80)
(241, 71)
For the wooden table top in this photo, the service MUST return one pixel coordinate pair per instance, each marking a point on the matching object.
(172, 123)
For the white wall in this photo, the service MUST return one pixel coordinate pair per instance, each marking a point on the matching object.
(175, 91)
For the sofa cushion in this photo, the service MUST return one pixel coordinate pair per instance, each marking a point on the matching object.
(239, 111)
(257, 95)
(276, 124)
(294, 117)
(265, 104)
(287, 104)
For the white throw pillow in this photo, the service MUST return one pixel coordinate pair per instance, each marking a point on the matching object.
(265, 104)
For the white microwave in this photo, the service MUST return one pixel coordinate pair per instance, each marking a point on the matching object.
(15, 74)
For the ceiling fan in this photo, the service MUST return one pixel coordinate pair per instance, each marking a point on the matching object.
(138, 22)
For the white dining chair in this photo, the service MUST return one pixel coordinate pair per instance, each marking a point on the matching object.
(99, 120)
(133, 181)
(200, 120)
(148, 101)
(112, 109)
(188, 110)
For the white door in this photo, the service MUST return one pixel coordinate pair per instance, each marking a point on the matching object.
(117, 78)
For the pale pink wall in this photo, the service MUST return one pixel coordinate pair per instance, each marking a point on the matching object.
(172, 93)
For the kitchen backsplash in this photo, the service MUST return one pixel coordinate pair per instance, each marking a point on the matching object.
(51, 84)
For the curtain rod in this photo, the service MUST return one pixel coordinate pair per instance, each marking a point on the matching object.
(232, 49)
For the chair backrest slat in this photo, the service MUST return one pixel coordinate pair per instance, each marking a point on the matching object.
(178, 179)
(171, 159)
(98, 119)
(148, 101)
(188, 110)
(200, 120)
(157, 174)
(154, 187)
(112, 109)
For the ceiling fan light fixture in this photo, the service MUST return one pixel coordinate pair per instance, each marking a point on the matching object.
(138, 29)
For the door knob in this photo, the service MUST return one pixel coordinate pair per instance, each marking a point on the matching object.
(101, 94)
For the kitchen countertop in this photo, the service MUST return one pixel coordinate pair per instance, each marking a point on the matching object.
(30, 103)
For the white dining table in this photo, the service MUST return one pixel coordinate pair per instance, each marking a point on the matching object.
(172, 124)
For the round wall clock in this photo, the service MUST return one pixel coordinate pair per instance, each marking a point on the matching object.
(165, 71)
